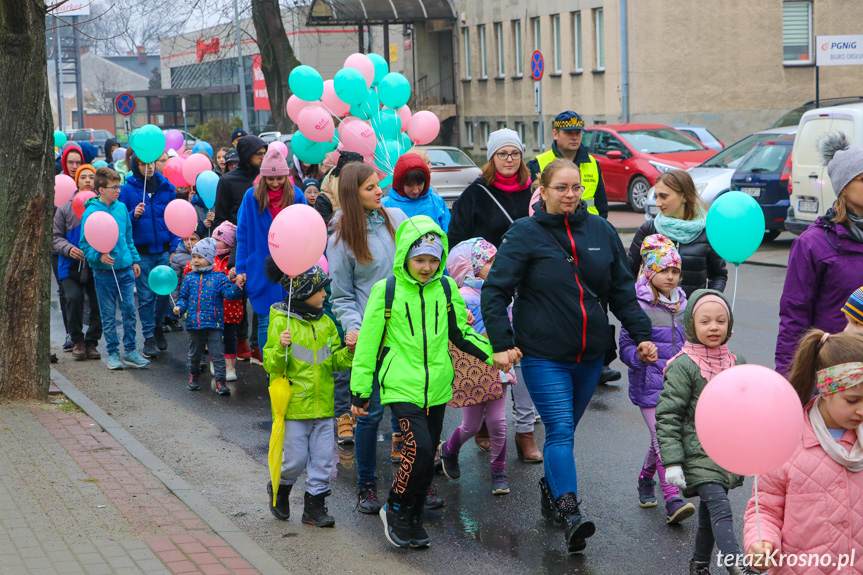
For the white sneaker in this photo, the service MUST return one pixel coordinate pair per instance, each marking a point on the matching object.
(230, 369)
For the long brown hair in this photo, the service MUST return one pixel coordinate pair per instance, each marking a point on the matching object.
(262, 196)
(840, 210)
(489, 173)
(813, 356)
(352, 226)
(681, 182)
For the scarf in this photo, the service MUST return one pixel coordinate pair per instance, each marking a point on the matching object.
(204, 269)
(855, 226)
(305, 311)
(508, 184)
(853, 461)
(680, 231)
(710, 360)
(275, 197)
(671, 304)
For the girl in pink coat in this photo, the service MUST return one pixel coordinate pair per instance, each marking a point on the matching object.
(811, 508)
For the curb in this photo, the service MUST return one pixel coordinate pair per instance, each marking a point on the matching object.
(221, 525)
(766, 264)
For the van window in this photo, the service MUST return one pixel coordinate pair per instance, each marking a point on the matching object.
(812, 131)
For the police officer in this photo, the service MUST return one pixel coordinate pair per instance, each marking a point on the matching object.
(568, 129)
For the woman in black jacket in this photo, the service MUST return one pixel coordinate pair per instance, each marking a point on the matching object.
(682, 220)
(563, 260)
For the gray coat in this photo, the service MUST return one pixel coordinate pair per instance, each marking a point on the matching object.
(65, 221)
(353, 282)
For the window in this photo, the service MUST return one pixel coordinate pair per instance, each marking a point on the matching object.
(606, 142)
(519, 128)
(484, 134)
(797, 33)
(576, 41)
(536, 135)
(536, 43)
(516, 34)
(599, 23)
(501, 125)
(555, 29)
(468, 131)
(483, 62)
(498, 33)
(466, 32)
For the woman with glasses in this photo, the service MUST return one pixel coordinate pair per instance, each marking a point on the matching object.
(563, 261)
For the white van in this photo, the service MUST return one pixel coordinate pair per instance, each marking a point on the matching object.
(812, 193)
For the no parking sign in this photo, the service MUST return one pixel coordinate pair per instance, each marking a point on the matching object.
(125, 104)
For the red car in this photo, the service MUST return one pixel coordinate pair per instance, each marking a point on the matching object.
(632, 156)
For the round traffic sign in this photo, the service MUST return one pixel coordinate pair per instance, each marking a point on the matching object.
(537, 66)
(125, 104)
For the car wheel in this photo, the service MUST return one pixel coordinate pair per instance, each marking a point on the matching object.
(637, 194)
(770, 235)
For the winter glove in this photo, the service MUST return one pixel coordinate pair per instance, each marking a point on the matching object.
(674, 476)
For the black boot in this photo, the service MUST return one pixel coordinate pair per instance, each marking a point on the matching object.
(418, 536)
(699, 568)
(159, 336)
(578, 527)
(282, 509)
(315, 510)
(547, 504)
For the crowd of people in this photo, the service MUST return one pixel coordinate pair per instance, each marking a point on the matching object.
(518, 277)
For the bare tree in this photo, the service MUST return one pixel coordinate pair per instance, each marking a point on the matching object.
(277, 58)
(101, 85)
(26, 193)
(133, 23)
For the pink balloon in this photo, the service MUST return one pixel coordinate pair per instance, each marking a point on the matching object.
(173, 170)
(101, 231)
(405, 114)
(181, 218)
(767, 416)
(533, 199)
(424, 127)
(194, 166)
(184, 156)
(281, 147)
(295, 106)
(174, 140)
(332, 101)
(364, 65)
(297, 238)
(316, 124)
(64, 189)
(358, 136)
(324, 264)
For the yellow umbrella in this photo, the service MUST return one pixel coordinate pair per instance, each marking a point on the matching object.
(280, 397)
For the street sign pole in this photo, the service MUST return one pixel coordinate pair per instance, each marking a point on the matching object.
(185, 129)
(539, 111)
(537, 66)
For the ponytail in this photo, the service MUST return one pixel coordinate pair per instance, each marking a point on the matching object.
(817, 351)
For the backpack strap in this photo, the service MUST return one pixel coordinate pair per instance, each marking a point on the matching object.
(389, 296)
(447, 290)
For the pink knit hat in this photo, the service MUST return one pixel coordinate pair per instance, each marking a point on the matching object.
(274, 164)
(226, 232)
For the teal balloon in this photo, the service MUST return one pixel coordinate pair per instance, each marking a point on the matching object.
(206, 185)
(148, 143)
(331, 145)
(735, 226)
(371, 105)
(386, 155)
(394, 90)
(386, 182)
(59, 139)
(350, 86)
(389, 125)
(306, 150)
(381, 68)
(162, 280)
(306, 83)
(100, 164)
(405, 142)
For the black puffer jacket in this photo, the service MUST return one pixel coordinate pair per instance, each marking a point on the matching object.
(233, 185)
(702, 267)
(476, 215)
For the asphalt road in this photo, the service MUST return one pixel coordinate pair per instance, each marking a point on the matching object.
(476, 532)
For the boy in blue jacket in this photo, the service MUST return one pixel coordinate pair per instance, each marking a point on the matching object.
(121, 262)
(203, 295)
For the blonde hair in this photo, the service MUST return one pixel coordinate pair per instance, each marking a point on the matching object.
(813, 355)
(680, 181)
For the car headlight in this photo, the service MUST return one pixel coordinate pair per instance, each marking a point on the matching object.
(662, 168)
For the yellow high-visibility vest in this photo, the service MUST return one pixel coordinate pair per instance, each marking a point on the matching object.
(589, 177)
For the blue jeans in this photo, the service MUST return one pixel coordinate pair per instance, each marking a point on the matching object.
(263, 326)
(152, 308)
(366, 437)
(108, 296)
(560, 392)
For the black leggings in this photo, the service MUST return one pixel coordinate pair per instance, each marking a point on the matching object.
(421, 431)
(715, 523)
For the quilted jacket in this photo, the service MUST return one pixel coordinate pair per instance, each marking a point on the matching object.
(810, 505)
(203, 294)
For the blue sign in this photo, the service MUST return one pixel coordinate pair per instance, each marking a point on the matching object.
(537, 66)
(125, 104)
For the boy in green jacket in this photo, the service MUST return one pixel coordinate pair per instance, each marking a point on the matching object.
(304, 346)
(407, 354)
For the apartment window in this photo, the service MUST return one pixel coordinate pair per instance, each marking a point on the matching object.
(498, 37)
(519, 128)
(466, 35)
(468, 132)
(599, 22)
(797, 33)
(537, 45)
(483, 131)
(536, 135)
(555, 29)
(516, 34)
(483, 62)
(501, 125)
(576, 41)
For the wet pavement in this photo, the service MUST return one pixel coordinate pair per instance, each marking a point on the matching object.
(477, 532)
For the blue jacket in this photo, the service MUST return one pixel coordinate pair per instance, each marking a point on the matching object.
(253, 227)
(124, 252)
(203, 295)
(429, 204)
(151, 233)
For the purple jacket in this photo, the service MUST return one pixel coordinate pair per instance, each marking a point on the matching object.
(824, 268)
(645, 381)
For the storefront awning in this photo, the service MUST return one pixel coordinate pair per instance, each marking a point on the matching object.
(348, 12)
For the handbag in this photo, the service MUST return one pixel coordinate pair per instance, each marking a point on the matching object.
(475, 381)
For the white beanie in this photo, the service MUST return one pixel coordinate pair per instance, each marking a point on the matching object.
(501, 138)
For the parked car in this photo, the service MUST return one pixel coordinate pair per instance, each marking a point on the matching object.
(713, 177)
(765, 174)
(269, 136)
(95, 137)
(452, 171)
(189, 140)
(792, 117)
(812, 193)
(631, 157)
(703, 135)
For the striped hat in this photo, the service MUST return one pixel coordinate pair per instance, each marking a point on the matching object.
(853, 308)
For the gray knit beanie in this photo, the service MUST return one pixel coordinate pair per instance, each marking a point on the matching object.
(844, 162)
(206, 248)
(501, 138)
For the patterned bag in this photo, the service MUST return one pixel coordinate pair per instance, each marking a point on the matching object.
(475, 381)
(233, 310)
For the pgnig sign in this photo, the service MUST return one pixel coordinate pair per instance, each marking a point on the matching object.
(839, 50)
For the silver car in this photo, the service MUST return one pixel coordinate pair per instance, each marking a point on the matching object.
(451, 171)
(713, 177)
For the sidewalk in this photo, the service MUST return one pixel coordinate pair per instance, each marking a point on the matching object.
(75, 501)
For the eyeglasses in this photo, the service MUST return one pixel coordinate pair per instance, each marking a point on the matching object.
(260, 154)
(504, 156)
(563, 189)
(115, 188)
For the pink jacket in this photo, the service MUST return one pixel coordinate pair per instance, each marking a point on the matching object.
(810, 505)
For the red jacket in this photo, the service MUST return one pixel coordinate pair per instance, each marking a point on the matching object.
(405, 164)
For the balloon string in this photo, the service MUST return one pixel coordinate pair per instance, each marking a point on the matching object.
(172, 300)
(120, 293)
(144, 197)
(290, 295)
(757, 517)
(734, 300)
(375, 153)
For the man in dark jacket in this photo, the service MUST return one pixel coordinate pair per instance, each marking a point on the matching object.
(233, 185)
(111, 144)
